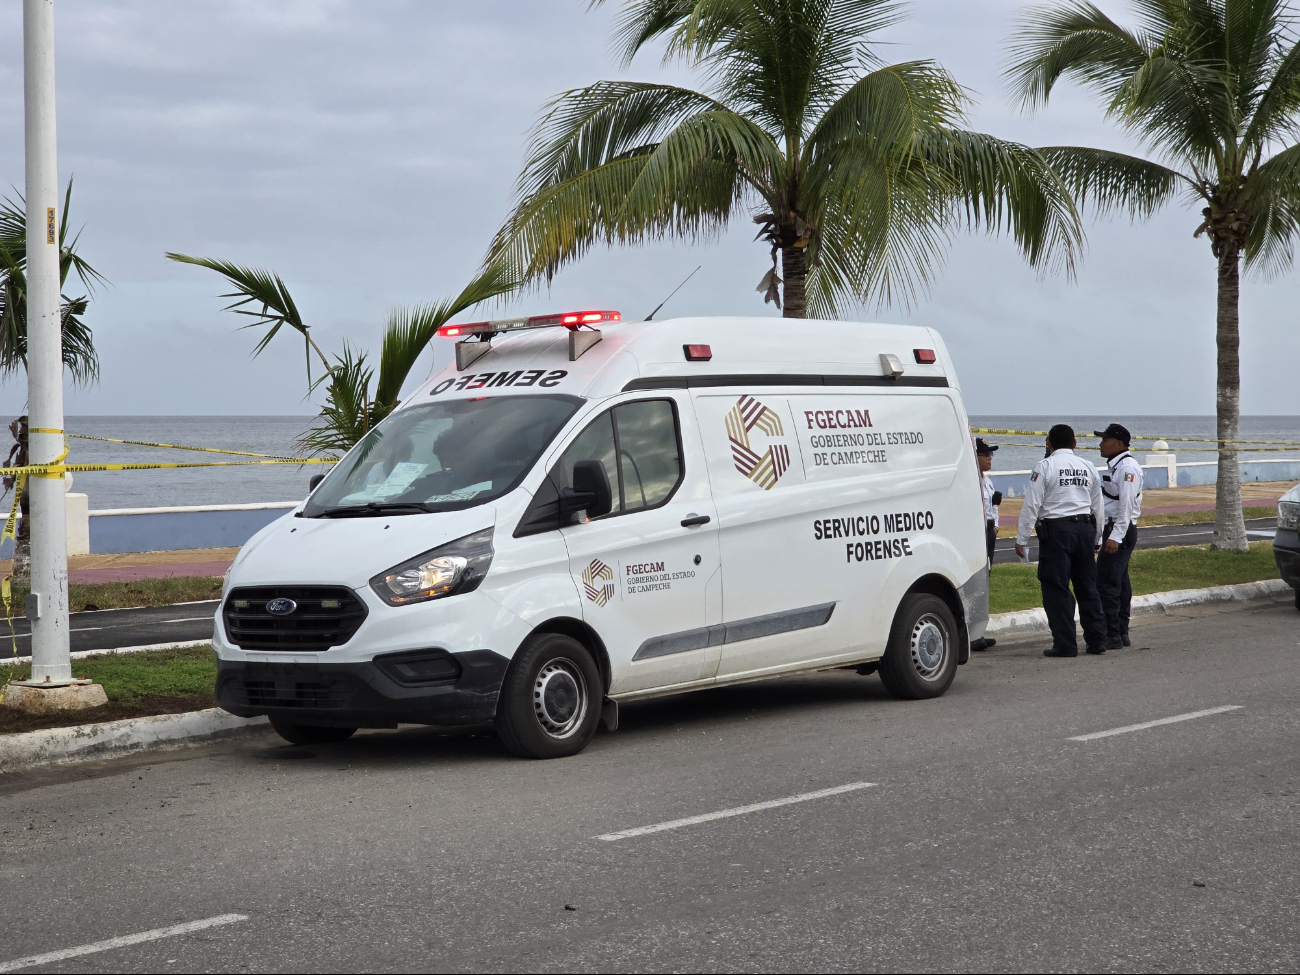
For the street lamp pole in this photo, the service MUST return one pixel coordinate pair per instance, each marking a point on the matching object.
(48, 607)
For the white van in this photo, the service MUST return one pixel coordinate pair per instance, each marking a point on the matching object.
(570, 518)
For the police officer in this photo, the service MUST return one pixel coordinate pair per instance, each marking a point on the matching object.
(1121, 488)
(1064, 493)
(992, 499)
(984, 454)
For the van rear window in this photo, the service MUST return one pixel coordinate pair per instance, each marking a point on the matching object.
(443, 456)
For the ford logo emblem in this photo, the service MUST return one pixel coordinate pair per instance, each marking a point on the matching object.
(281, 606)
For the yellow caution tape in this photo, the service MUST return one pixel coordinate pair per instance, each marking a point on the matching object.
(58, 470)
(173, 446)
(1136, 436)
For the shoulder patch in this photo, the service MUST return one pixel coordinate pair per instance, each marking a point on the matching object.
(1128, 476)
(1034, 476)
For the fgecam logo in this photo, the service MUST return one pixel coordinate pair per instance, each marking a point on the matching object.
(766, 468)
(598, 582)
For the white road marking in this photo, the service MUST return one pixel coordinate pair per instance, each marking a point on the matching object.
(736, 811)
(157, 934)
(188, 619)
(1159, 721)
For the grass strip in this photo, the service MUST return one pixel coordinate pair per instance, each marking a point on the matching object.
(1014, 586)
(137, 684)
(1203, 516)
(83, 596)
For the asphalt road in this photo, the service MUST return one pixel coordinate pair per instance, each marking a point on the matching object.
(107, 629)
(1155, 536)
(987, 838)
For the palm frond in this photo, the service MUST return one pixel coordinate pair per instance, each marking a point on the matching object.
(256, 287)
(1112, 182)
(346, 416)
(410, 330)
(1272, 197)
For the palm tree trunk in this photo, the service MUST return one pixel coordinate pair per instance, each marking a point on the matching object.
(1229, 525)
(794, 269)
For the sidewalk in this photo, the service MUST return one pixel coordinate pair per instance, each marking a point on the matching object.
(1160, 501)
(130, 566)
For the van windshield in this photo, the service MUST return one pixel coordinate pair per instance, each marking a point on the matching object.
(442, 456)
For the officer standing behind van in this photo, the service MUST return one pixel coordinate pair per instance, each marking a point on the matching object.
(1064, 492)
(1121, 487)
(992, 499)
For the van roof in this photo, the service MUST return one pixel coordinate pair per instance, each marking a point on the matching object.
(744, 352)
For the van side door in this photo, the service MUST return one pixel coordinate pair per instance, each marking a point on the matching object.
(648, 568)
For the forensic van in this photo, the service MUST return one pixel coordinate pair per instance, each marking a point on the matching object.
(582, 512)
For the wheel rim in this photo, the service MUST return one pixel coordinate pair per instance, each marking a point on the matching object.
(560, 697)
(930, 646)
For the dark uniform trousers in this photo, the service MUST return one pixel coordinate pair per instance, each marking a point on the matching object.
(1065, 555)
(990, 536)
(1113, 585)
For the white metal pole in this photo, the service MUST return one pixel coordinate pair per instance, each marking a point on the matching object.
(49, 541)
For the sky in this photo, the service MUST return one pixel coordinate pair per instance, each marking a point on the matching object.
(366, 150)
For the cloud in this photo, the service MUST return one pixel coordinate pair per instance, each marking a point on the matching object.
(367, 151)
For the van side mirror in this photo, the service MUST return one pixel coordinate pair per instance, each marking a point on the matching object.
(315, 479)
(590, 492)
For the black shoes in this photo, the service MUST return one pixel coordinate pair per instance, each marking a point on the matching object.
(1125, 641)
(1099, 650)
(1058, 652)
(983, 644)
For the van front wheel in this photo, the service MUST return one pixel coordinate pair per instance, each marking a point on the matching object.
(921, 658)
(550, 700)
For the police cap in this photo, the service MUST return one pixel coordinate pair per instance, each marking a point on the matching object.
(1115, 432)
(984, 448)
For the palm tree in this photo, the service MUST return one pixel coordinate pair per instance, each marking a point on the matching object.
(79, 356)
(857, 173)
(352, 405)
(1211, 90)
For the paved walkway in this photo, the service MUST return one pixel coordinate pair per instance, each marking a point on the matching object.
(130, 566)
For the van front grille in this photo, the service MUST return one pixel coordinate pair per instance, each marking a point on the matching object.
(321, 617)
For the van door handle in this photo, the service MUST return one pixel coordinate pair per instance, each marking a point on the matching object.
(694, 520)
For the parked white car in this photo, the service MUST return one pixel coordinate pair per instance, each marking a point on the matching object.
(570, 518)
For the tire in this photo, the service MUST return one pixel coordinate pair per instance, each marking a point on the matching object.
(1297, 599)
(310, 734)
(551, 698)
(920, 660)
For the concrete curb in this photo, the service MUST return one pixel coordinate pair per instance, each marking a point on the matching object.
(112, 739)
(1033, 622)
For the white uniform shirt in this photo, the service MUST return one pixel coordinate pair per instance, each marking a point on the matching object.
(1061, 486)
(990, 511)
(1121, 488)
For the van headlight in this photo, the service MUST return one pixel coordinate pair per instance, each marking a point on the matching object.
(447, 570)
(1288, 515)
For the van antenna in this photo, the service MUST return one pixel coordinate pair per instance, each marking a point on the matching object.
(669, 298)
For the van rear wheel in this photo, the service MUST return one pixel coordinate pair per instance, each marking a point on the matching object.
(921, 658)
(310, 734)
(550, 700)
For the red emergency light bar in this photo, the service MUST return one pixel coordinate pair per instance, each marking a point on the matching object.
(570, 320)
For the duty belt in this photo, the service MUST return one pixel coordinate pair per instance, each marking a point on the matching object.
(1069, 518)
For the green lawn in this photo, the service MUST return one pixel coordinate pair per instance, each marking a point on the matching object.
(142, 592)
(1015, 586)
(156, 682)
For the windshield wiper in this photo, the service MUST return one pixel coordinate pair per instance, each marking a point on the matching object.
(372, 508)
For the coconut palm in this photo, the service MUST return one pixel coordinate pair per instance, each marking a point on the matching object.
(1211, 90)
(856, 172)
(352, 404)
(79, 356)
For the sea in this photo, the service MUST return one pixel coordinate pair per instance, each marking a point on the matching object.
(288, 482)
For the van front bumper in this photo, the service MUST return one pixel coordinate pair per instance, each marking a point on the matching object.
(364, 695)
(1286, 552)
